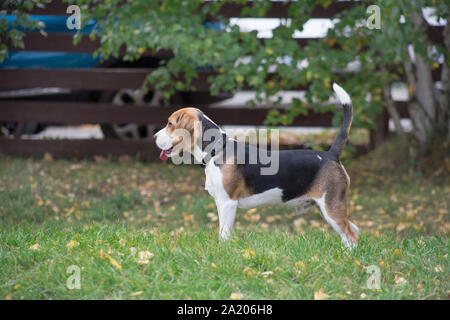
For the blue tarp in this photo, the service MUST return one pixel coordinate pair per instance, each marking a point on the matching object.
(35, 59)
(57, 24)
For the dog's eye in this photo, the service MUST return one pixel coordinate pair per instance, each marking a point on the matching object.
(169, 124)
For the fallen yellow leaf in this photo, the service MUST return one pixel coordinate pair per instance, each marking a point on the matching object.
(72, 244)
(143, 262)
(102, 254)
(399, 280)
(300, 265)
(402, 226)
(315, 224)
(320, 295)
(236, 296)
(70, 211)
(267, 273)
(144, 257)
(249, 254)
(35, 246)
(359, 264)
(137, 293)
(113, 262)
(249, 271)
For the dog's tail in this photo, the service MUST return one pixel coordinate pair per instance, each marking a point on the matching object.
(339, 143)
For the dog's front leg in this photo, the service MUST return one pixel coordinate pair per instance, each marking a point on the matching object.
(227, 211)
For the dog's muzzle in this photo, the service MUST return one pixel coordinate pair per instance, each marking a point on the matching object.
(164, 142)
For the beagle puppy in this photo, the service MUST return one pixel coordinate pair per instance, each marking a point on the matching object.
(304, 178)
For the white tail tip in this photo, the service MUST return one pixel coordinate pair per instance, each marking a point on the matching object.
(342, 95)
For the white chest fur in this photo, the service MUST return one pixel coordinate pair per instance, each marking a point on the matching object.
(226, 207)
(213, 183)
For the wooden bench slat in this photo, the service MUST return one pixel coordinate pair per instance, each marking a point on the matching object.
(104, 79)
(79, 148)
(83, 148)
(80, 113)
(91, 79)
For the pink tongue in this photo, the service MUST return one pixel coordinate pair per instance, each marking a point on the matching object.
(163, 156)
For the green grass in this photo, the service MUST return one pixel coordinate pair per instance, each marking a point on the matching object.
(195, 265)
(110, 211)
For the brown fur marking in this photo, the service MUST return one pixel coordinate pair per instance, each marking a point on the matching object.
(233, 182)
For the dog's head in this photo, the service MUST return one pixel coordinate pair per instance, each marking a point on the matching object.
(182, 131)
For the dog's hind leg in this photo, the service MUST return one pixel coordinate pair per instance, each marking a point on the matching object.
(334, 211)
(227, 212)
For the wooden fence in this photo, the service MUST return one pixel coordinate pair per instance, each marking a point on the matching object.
(132, 78)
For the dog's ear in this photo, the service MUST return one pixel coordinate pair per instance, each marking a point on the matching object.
(185, 118)
(179, 117)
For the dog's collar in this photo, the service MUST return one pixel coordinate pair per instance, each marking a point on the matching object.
(219, 146)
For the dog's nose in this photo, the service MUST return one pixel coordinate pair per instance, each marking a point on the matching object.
(154, 136)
